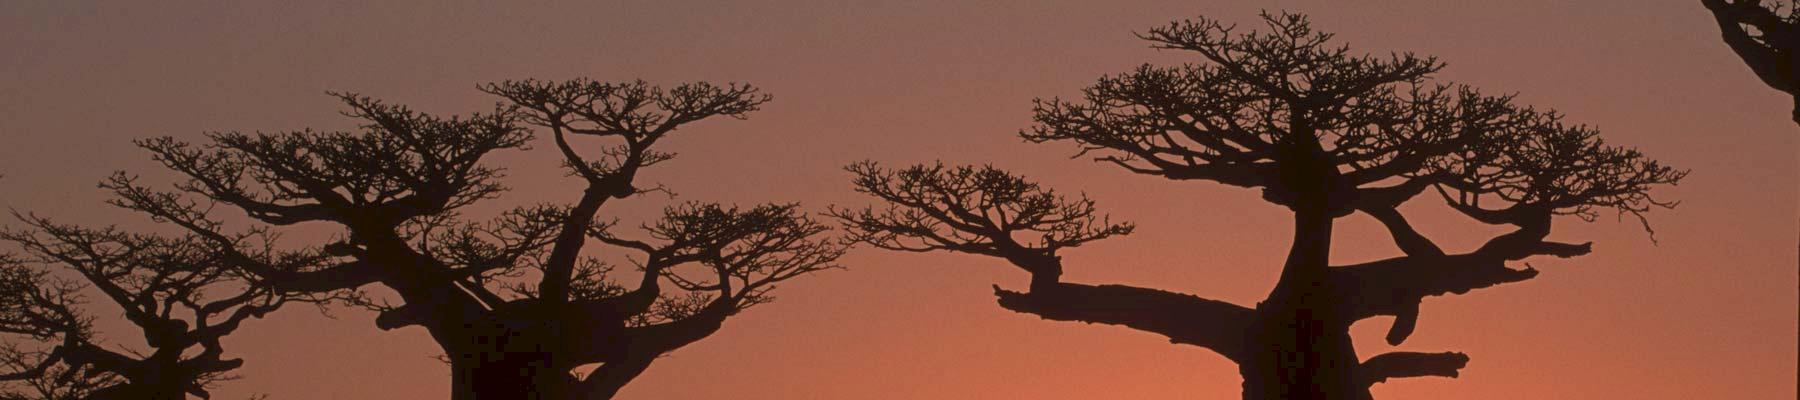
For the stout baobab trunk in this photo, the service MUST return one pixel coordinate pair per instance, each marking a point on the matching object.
(1299, 345)
(140, 392)
(1296, 356)
(512, 354)
(526, 378)
(157, 379)
(1299, 342)
(493, 354)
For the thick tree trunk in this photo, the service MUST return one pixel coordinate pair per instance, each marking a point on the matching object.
(462, 379)
(1299, 354)
(140, 392)
(524, 357)
(160, 377)
(509, 375)
(511, 358)
(517, 379)
(1300, 345)
(494, 354)
(156, 382)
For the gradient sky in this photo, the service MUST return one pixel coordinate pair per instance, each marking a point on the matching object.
(1708, 312)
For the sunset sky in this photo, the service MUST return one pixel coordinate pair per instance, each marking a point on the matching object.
(1708, 310)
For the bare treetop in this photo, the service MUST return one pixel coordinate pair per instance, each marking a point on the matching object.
(404, 164)
(1546, 164)
(983, 211)
(635, 112)
(1261, 105)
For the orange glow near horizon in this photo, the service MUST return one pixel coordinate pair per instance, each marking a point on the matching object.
(1705, 311)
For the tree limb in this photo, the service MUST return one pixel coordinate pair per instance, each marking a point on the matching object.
(1184, 319)
(1402, 364)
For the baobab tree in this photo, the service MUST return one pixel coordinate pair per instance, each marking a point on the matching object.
(180, 294)
(1766, 35)
(515, 303)
(1318, 131)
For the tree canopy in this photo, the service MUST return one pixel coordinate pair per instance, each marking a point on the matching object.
(515, 302)
(179, 291)
(1318, 130)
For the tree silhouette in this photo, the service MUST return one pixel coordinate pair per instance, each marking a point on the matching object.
(178, 291)
(514, 303)
(1318, 131)
(1766, 35)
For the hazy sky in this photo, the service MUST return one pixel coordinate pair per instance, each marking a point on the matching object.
(1709, 312)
